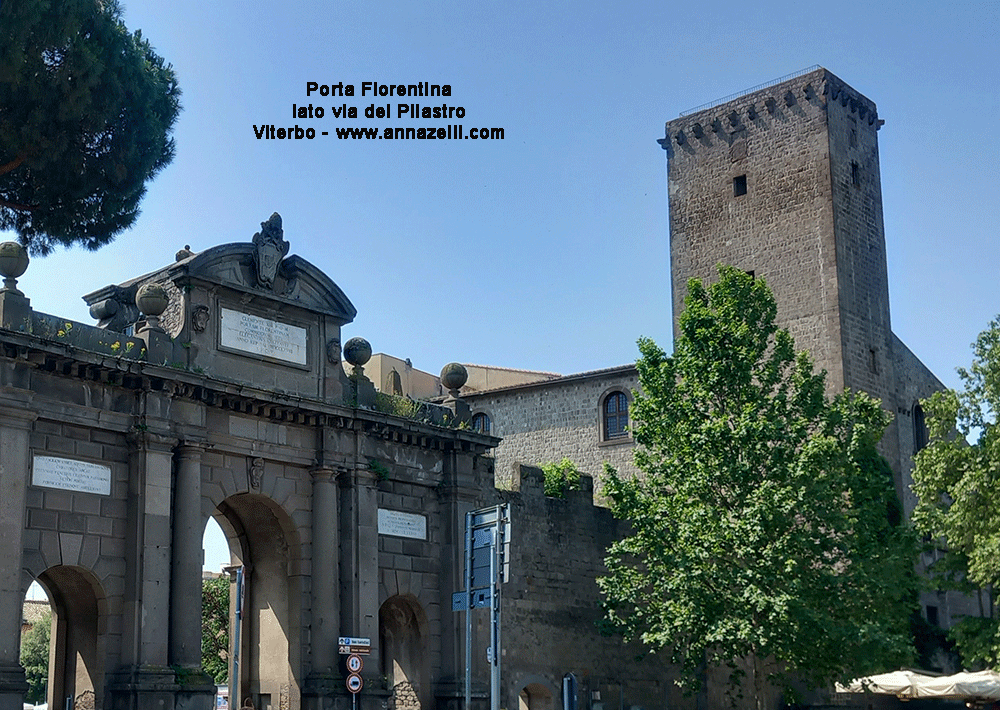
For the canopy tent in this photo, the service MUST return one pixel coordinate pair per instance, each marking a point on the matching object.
(983, 685)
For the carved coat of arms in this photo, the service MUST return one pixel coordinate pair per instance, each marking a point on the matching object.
(271, 249)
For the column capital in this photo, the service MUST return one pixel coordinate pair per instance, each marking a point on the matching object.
(191, 447)
(358, 474)
(326, 472)
(145, 439)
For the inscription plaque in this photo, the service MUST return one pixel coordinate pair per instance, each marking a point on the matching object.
(400, 524)
(262, 336)
(71, 475)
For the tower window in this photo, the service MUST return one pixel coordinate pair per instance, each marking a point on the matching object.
(739, 185)
(854, 138)
(855, 175)
(919, 428)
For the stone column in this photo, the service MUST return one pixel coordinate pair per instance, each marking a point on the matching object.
(15, 426)
(145, 678)
(359, 560)
(186, 558)
(325, 570)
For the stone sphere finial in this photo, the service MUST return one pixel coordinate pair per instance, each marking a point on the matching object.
(152, 300)
(13, 262)
(357, 351)
(454, 376)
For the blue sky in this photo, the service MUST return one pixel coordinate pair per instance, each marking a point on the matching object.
(547, 250)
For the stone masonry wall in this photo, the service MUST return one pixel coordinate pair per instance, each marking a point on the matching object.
(545, 422)
(82, 535)
(551, 606)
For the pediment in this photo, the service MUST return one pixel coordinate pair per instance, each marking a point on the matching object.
(294, 280)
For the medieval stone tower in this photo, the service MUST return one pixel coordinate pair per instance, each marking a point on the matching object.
(783, 182)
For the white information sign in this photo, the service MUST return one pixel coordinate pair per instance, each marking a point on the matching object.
(71, 475)
(400, 524)
(262, 336)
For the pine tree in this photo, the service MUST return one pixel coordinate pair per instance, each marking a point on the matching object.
(86, 111)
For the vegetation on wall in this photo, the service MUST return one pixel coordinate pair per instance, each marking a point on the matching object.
(560, 477)
(766, 533)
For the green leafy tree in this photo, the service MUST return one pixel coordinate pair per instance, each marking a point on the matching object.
(86, 111)
(957, 479)
(215, 628)
(766, 531)
(35, 658)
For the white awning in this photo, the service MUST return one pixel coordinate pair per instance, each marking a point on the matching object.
(983, 685)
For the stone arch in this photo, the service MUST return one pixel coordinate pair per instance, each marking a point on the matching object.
(77, 650)
(264, 542)
(535, 695)
(402, 625)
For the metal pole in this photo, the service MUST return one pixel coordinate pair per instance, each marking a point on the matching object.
(234, 685)
(468, 611)
(494, 620)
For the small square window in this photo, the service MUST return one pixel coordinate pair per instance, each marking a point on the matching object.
(739, 185)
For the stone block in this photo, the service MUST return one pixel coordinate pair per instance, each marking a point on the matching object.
(50, 549)
(112, 508)
(72, 522)
(43, 519)
(97, 525)
(59, 445)
(87, 504)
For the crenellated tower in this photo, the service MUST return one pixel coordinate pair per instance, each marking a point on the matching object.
(783, 182)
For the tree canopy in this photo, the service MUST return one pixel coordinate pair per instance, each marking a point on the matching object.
(35, 658)
(215, 628)
(957, 482)
(766, 530)
(86, 111)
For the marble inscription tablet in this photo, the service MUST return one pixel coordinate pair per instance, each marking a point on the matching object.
(71, 475)
(400, 524)
(262, 336)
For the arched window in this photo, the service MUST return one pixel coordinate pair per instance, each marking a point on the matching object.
(394, 383)
(615, 416)
(481, 423)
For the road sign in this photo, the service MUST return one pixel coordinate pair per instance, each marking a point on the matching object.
(480, 599)
(354, 663)
(349, 644)
(354, 641)
(354, 683)
(487, 566)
